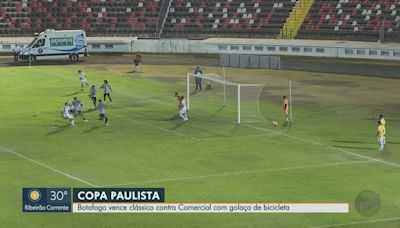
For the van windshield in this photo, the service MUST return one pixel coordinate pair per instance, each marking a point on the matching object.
(33, 42)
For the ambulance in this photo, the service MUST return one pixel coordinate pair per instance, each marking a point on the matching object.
(52, 44)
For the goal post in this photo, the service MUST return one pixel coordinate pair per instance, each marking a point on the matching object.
(224, 99)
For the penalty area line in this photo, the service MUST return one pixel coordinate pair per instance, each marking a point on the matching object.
(46, 166)
(359, 223)
(327, 146)
(240, 173)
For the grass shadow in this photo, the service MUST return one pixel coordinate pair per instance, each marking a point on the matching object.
(286, 124)
(71, 94)
(212, 133)
(355, 147)
(349, 141)
(215, 114)
(90, 130)
(234, 129)
(90, 110)
(59, 130)
(172, 118)
(178, 125)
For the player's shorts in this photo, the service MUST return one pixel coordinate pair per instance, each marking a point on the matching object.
(102, 116)
(182, 111)
(77, 112)
(68, 116)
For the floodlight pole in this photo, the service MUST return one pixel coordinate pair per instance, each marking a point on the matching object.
(290, 101)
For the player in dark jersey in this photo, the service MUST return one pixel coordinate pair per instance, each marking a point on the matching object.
(102, 112)
(92, 95)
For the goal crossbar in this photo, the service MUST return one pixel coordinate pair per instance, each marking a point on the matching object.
(244, 92)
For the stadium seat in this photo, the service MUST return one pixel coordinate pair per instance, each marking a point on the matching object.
(228, 18)
(351, 20)
(333, 19)
(97, 17)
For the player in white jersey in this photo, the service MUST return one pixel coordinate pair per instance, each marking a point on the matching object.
(92, 95)
(102, 112)
(107, 90)
(183, 109)
(83, 79)
(67, 113)
(77, 108)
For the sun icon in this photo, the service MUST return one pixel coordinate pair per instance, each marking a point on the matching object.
(34, 195)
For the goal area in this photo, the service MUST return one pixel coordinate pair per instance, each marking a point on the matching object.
(234, 102)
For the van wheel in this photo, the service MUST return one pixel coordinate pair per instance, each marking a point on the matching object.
(74, 57)
(32, 58)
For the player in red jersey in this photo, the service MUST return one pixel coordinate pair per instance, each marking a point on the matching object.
(182, 106)
(179, 98)
(286, 107)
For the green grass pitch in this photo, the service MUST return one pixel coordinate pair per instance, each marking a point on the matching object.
(328, 154)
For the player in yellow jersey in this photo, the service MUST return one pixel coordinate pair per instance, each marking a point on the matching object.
(383, 123)
(381, 135)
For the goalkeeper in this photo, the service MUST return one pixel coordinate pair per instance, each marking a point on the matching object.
(198, 74)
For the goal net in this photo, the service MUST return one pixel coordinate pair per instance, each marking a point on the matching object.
(218, 97)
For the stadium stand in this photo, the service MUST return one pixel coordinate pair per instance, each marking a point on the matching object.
(199, 18)
(97, 17)
(333, 19)
(352, 20)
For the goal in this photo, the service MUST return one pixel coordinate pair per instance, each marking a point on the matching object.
(232, 101)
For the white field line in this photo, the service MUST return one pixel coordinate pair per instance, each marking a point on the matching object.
(46, 166)
(323, 145)
(360, 222)
(240, 173)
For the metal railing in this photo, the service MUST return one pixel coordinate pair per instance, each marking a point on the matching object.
(162, 17)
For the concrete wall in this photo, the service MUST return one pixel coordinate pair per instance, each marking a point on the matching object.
(341, 49)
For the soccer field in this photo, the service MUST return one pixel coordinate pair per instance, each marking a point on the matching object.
(328, 154)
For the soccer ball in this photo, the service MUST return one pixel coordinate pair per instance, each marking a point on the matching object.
(274, 123)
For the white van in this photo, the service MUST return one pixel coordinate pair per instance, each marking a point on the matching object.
(52, 44)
